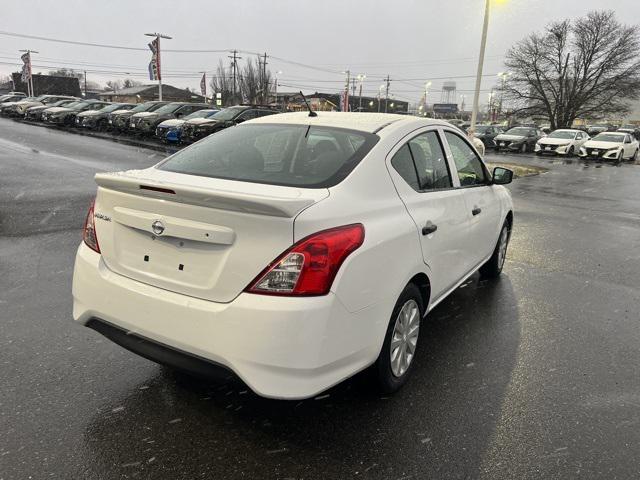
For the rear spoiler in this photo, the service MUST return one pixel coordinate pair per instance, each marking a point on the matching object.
(275, 206)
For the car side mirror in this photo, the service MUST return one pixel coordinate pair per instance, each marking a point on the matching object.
(502, 176)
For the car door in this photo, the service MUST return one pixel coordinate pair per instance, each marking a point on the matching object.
(482, 202)
(421, 173)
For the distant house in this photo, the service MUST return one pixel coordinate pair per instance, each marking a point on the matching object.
(48, 85)
(145, 93)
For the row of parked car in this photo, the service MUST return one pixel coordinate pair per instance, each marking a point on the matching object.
(611, 144)
(171, 122)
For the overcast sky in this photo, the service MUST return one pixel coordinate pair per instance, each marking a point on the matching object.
(411, 40)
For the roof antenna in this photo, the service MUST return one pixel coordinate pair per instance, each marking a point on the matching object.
(311, 112)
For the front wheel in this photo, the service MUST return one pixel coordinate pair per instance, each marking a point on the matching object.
(400, 342)
(493, 267)
(570, 152)
(634, 158)
(523, 148)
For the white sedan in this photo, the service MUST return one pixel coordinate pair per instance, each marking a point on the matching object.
(611, 146)
(562, 142)
(293, 250)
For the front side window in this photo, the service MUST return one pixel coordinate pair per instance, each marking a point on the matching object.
(290, 155)
(469, 166)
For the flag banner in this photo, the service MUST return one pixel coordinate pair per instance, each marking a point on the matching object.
(203, 85)
(26, 68)
(154, 64)
(344, 101)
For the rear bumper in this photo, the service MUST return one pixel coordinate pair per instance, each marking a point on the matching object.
(280, 347)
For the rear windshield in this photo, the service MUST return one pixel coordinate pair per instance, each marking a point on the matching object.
(291, 155)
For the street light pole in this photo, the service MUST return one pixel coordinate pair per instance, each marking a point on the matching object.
(483, 44)
(158, 62)
(361, 78)
(275, 90)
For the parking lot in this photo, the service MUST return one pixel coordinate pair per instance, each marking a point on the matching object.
(530, 376)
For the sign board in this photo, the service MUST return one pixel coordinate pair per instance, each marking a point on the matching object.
(445, 107)
(218, 98)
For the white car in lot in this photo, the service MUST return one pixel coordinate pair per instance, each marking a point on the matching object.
(562, 142)
(611, 146)
(293, 250)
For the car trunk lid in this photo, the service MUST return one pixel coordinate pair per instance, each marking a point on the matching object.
(202, 237)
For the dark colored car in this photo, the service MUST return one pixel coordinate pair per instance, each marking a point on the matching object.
(518, 139)
(120, 120)
(67, 115)
(487, 133)
(632, 129)
(171, 130)
(97, 119)
(35, 113)
(223, 119)
(145, 123)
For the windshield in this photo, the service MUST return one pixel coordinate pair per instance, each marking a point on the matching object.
(144, 107)
(483, 128)
(608, 137)
(169, 108)
(291, 155)
(227, 113)
(199, 114)
(562, 134)
(519, 131)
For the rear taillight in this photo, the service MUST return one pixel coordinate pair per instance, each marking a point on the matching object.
(89, 231)
(309, 267)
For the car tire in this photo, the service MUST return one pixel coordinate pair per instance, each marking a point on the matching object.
(570, 152)
(391, 375)
(493, 267)
(620, 158)
(523, 149)
(634, 158)
(497, 149)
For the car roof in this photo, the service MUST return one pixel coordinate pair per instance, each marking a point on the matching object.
(366, 122)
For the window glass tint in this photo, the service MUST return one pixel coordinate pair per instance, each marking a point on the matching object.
(470, 171)
(402, 162)
(292, 155)
(430, 162)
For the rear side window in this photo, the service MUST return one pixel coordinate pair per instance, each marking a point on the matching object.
(290, 155)
(422, 164)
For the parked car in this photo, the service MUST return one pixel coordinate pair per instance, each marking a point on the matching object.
(223, 119)
(145, 123)
(67, 115)
(611, 146)
(21, 107)
(120, 120)
(12, 97)
(35, 113)
(97, 119)
(594, 130)
(170, 130)
(487, 134)
(518, 139)
(7, 107)
(261, 249)
(632, 129)
(561, 142)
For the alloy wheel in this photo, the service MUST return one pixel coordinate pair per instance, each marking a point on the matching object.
(502, 248)
(404, 337)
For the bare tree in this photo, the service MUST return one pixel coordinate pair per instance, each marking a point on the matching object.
(67, 72)
(585, 68)
(221, 83)
(249, 81)
(113, 85)
(128, 83)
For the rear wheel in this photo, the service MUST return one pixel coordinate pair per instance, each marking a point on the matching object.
(400, 343)
(634, 158)
(493, 267)
(523, 148)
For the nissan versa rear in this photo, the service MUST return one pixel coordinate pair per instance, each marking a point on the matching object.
(292, 250)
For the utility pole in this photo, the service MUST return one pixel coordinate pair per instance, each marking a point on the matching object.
(386, 95)
(265, 86)
(85, 84)
(361, 78)
(345, 106)
(30, 90)
(158, 36)
(234, 66)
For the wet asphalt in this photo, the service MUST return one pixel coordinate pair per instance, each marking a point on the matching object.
(532, 376)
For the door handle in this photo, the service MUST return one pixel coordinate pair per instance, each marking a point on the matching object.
(429, 228)
(476, 211)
